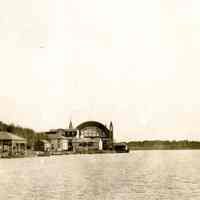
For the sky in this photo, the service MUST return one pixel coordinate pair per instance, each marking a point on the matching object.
(135, 63)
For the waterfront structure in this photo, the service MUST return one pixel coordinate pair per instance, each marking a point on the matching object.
(87, 136)
(121, 147)
(12, 145)
(93, 135)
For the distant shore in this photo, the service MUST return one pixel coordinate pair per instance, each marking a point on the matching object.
(146, 149)
(164, 145)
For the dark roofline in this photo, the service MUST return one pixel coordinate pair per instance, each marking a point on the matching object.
(94, 123)
(10, 136)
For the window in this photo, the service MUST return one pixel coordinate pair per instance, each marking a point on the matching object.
(91, 132)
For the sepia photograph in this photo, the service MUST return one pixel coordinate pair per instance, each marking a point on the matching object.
(99, 100)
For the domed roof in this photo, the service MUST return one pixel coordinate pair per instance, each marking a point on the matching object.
(94, 124)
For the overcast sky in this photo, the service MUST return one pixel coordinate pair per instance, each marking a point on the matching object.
(135, 62)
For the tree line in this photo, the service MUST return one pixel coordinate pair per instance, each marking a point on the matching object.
(163, 144)
(29, 134)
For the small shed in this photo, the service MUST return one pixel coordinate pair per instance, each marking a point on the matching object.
(12, 144)
(121, 147)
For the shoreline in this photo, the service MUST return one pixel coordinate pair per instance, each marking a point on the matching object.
(48, 154)
(159, 149)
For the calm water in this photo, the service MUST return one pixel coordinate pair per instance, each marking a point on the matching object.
(138, 175)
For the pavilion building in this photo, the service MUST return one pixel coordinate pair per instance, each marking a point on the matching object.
(12, 145)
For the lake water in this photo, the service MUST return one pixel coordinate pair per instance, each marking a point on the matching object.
(139, 175)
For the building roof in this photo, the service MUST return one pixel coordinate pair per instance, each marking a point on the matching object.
(70, 125)
(10, 136)
(62, 131)
(95, 124)
(45, 141)
(71, 129)
(53, 131)
(56, 136)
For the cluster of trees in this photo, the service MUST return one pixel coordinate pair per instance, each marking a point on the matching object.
(30, 135)
(166, 144)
